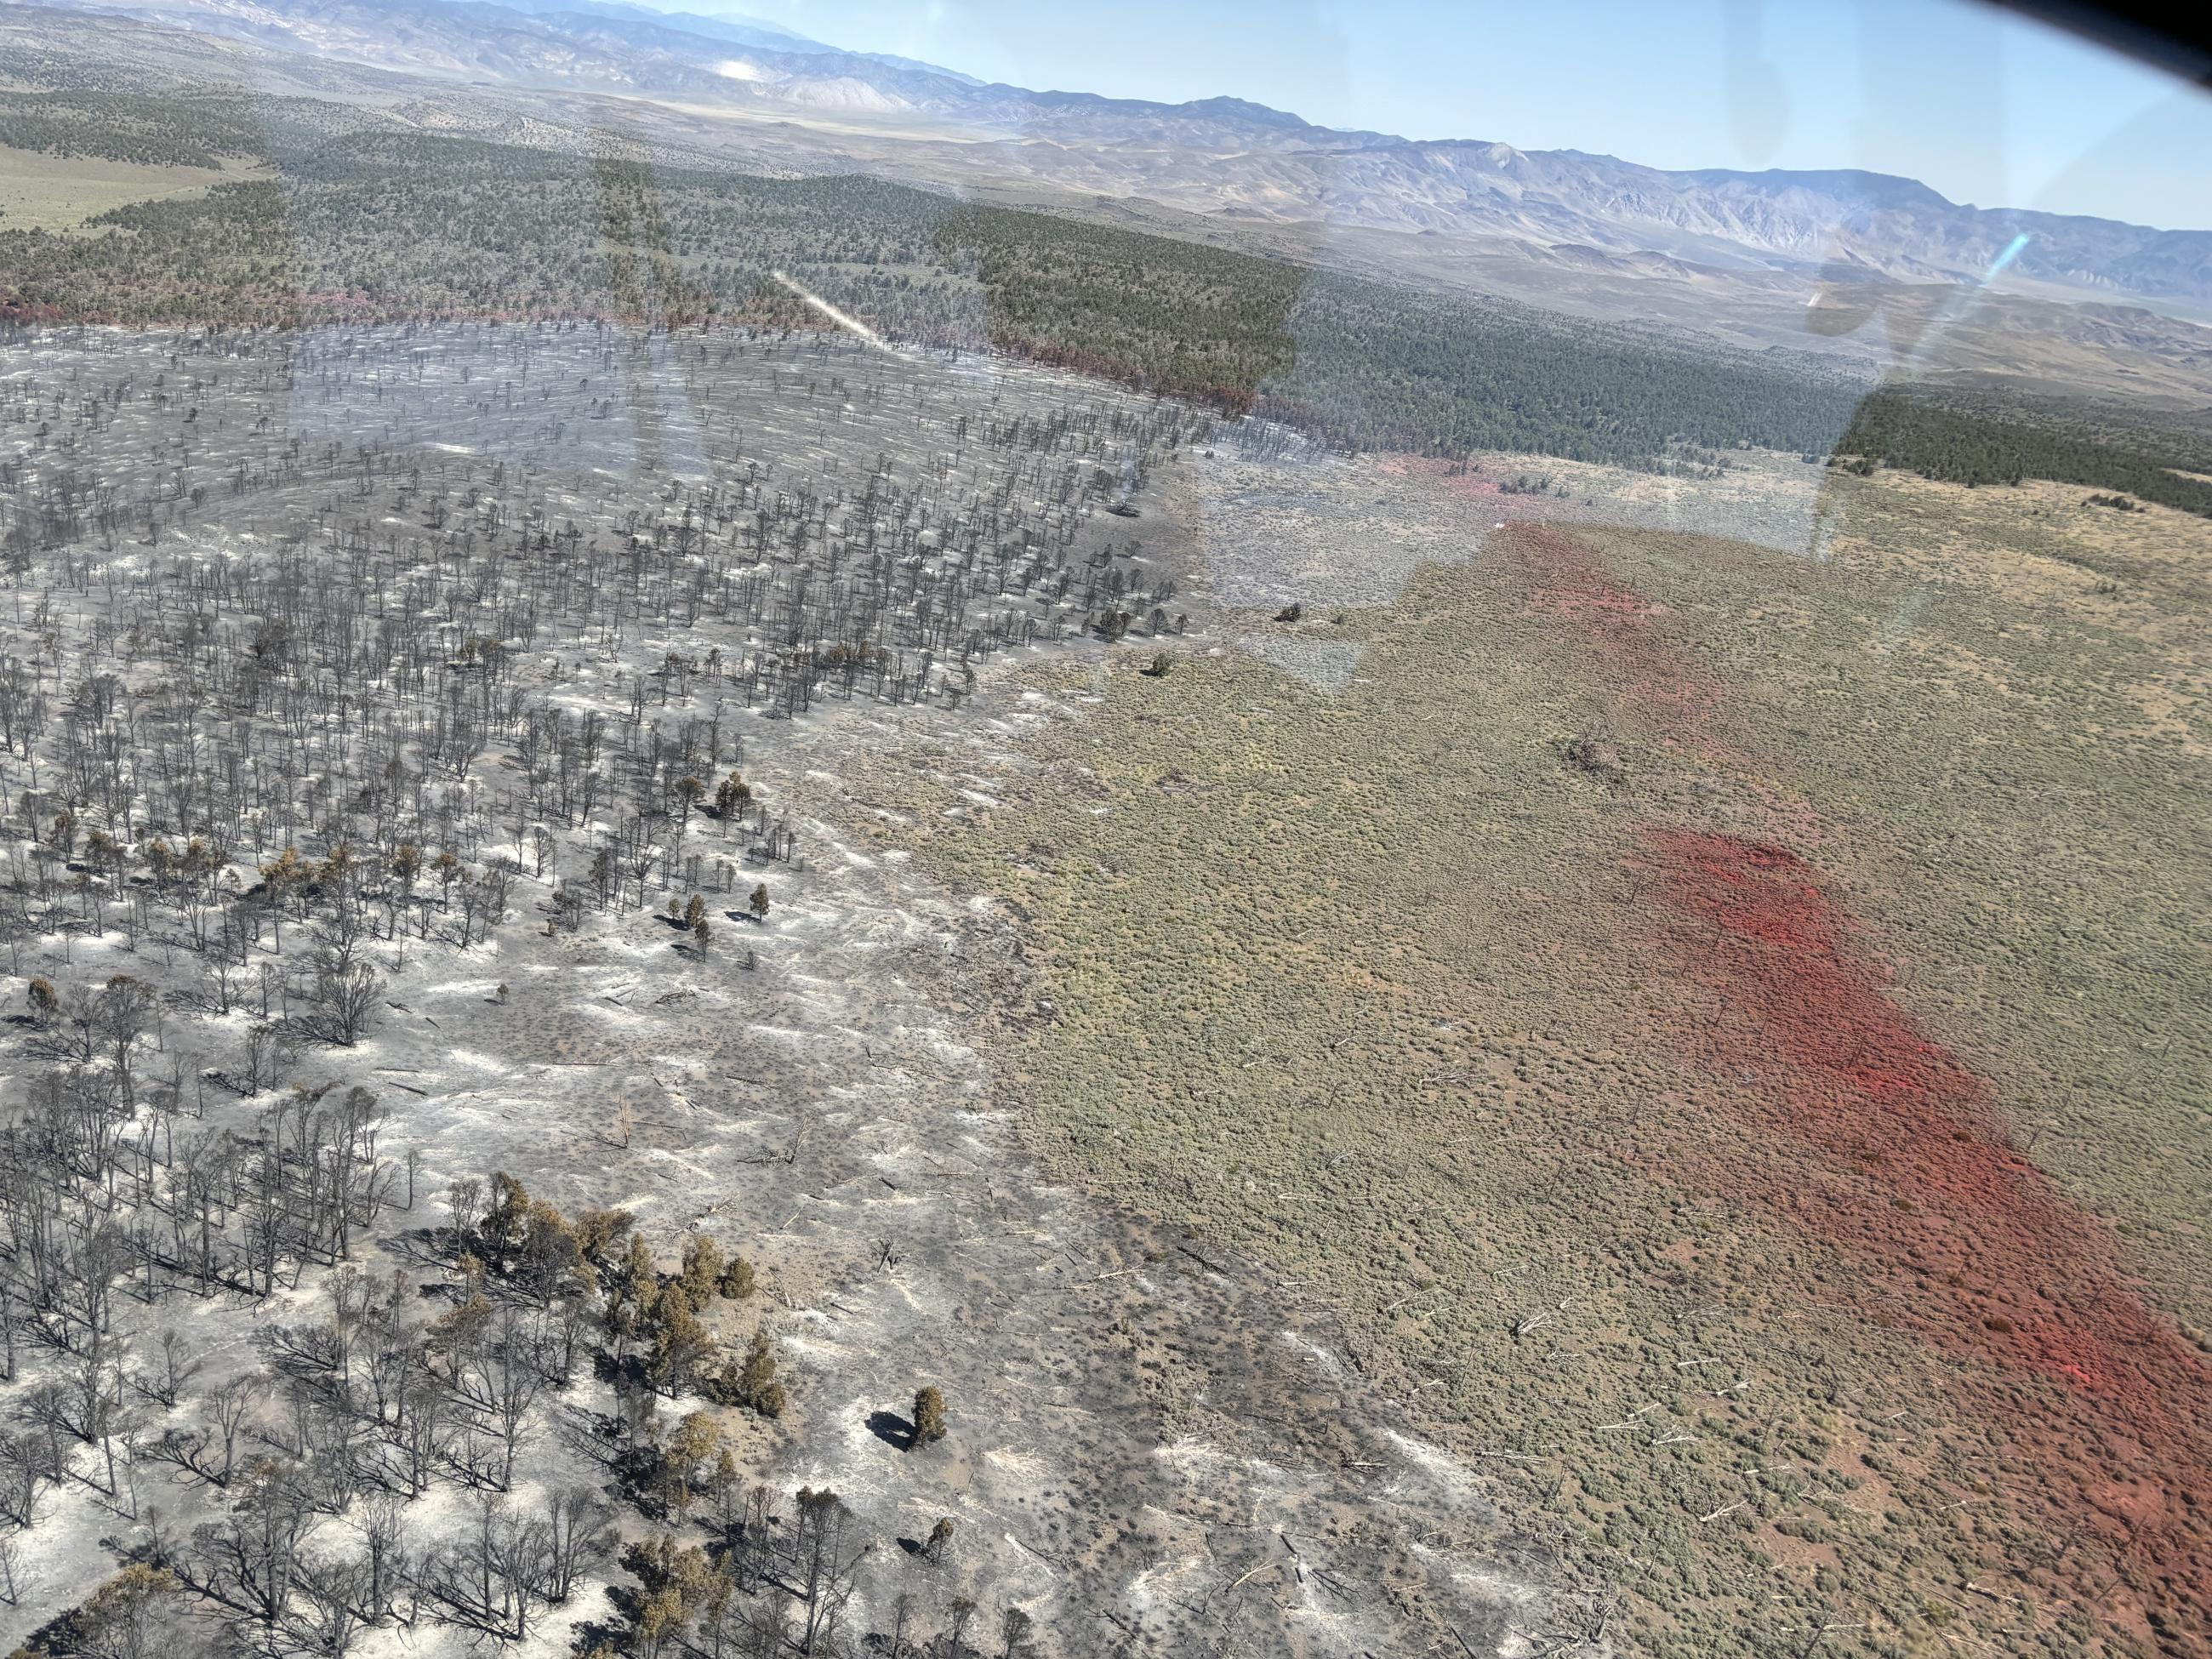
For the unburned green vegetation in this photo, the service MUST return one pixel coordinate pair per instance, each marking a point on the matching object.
(1395, 988)
(150, 131)
(56, 195)
(361, 217)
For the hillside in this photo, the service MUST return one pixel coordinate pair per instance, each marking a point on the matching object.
(1225, 154)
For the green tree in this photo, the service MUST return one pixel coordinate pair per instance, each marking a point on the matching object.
(929, 1417)
(753, 1383)
(697, 1438)
(679, 1340)
(702, 1271)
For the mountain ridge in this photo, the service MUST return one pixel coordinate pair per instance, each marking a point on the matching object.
(1230, 155)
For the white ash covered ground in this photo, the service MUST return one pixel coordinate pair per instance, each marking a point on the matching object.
(1287, 536)
(419, 752)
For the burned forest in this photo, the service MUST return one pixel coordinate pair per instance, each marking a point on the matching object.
(333, 667)
(803, 858)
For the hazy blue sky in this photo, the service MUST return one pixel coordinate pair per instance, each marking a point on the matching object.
(1985, 107)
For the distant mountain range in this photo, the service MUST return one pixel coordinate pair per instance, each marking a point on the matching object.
(1227, 156)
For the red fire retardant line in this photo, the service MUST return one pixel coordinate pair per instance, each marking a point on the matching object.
(1898, 1159)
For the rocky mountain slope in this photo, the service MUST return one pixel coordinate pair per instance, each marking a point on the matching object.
(1228, 156)
(1235, 155)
